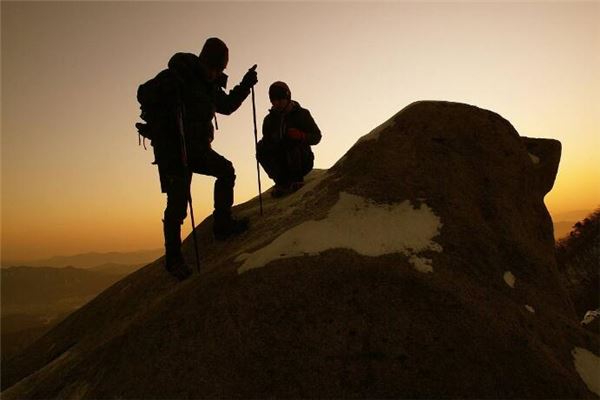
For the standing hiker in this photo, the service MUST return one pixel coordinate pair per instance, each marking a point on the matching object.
(288, 132)
(182, 100)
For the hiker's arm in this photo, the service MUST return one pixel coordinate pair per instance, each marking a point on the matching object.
(228, 103)
(310, 128)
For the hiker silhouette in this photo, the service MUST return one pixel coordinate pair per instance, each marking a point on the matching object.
(288, 132)
(181, 102)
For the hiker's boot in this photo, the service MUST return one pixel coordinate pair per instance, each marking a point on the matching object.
(174, 262)
(224, 226)
(281, 190)
(176, 266)
(296, 185)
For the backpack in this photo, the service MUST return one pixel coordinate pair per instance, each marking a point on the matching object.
(158, 100)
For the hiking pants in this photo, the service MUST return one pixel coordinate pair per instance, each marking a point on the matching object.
(284, 162)
(210, 163)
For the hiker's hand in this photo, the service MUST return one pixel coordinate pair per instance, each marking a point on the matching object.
(250, 78)
(296, 134)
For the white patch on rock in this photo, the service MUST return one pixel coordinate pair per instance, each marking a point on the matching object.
(242, 257)
(293, 200)
(359, 224)
(590, 317)
(509, 278)
(587, 365)
(421, 264)
(534, 159)
(530, 309)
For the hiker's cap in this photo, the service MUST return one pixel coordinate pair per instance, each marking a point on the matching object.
(215, 53)
(279, 91)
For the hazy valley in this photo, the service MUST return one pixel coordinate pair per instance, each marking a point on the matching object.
(39, 295)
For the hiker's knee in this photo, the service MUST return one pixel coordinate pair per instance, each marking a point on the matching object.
(175, 214)
(176, 209)
(227, 172)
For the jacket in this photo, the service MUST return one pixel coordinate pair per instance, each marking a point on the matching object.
(277, 123)
(200, 101)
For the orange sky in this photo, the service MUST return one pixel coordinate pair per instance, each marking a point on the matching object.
(74, 180)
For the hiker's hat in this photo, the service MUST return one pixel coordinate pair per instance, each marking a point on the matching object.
(279, 91)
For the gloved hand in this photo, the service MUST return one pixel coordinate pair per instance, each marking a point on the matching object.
(296, 134)
(250, 78)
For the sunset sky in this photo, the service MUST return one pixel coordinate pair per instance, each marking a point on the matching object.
(74, 179)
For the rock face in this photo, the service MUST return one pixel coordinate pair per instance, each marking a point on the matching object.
(420, 265)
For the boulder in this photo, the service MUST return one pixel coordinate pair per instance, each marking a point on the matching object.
(421, 265)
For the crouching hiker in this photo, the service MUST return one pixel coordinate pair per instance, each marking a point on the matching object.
(288, 132)
(180, 102)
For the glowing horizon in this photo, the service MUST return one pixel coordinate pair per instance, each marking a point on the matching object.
(74, 180)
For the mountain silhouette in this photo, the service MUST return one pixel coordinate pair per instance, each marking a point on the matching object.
(564, 222)
(420, 265)
(94, 259)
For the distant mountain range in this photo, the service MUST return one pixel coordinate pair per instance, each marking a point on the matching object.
(93, 259)
(563, 222)
(563, 228)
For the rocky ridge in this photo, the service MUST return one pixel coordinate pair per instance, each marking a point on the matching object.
(419, 265)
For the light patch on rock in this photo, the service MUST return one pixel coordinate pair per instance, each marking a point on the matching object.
(534, 159)
(421, 264)
(295, 201)
(509, 278)
(285, 206)
(530, 309)
(587, 365)
(590, 317)
(361, 225)
(242, 257)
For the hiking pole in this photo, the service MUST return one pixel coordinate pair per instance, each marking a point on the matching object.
(184, 159)
(256, 152)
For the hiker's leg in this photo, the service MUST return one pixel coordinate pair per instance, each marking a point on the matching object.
(308, 162)
(213, 164)
(175, 213)
(300, 162)
(272, 158)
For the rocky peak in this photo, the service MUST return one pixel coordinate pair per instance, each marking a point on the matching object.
(420, 265)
